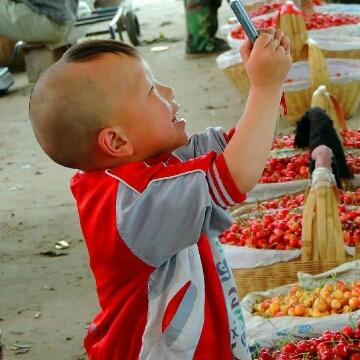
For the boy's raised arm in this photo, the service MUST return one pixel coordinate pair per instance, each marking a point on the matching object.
(267, 64)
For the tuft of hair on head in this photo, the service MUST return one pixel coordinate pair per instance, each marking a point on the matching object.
(93, 49)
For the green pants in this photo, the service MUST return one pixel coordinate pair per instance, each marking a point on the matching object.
(19, 22)
(201, 24)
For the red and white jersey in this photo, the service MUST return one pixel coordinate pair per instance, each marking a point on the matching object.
(165, 289)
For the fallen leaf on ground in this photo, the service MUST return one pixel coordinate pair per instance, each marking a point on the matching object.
(165, 23)
(61, 245)
(159, 39)
(52, 253)
(47, 287)
(159, 48)
(20, 348)
(22, 351)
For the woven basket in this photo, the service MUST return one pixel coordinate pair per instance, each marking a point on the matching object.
(298, 99)
(322, 239)
(348, 96)
(345, 88)
(268, 277)
(345, 54)
(238, 76)
(336, 48)
(338, 41)
(297, 103)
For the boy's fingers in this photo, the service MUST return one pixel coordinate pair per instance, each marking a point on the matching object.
(271, 31)
(280, 50)
(263, 40)
(245, 49)
(285, 43)
(279, 34)
(273, 44)
(247, 44)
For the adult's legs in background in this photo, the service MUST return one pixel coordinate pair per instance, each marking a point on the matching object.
(19, 22)
(201, 26)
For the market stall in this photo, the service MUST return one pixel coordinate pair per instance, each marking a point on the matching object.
(294, 249)
(271, 219)
(325, 47)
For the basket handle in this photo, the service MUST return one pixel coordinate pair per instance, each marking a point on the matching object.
(318, 70)
(357, 251)
(339, 113)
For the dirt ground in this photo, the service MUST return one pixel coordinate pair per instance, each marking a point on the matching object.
(46, 302)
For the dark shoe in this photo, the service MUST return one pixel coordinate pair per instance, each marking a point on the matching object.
(221, 42)
(214, 46)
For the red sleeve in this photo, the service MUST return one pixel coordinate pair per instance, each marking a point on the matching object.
(229, 134)
(221, 184)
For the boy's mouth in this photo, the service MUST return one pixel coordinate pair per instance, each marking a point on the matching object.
(176, 117)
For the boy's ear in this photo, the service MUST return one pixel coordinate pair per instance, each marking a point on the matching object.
(114, 143)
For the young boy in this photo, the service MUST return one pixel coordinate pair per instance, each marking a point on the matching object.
(151, 201)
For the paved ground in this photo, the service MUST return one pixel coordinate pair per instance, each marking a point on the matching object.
(47, 302)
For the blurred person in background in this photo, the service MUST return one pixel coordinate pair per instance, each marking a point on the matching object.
(47, 21)
(201, 25)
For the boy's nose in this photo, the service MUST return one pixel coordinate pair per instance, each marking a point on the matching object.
(171, 92)
(167, 91)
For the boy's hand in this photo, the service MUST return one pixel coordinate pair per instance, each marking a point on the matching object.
(268, 61)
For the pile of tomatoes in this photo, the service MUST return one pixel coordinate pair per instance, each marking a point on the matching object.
(331, 345)
(291, 201)
(295, 167)
(286, 169)
(350, 197)
(283, 142)
(351, 138)
(280, 229)
(268, 8)
(353, 163)
(323, 21)
(239, 33)
(315, 22)
(285, 202)
(350, 221)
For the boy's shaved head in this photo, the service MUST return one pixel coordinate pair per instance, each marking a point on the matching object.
(72, 100)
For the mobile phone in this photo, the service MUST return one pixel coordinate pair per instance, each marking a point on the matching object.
(244, 20)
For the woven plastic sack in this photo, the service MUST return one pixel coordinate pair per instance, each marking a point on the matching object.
(228, 59)
(298, 77)
(250, 3)
(262, 192)
(338, 8)
(333, 32)
(341, 71)
(264, 332)
(240, 257)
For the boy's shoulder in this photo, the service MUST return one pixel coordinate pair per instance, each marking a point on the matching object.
(140, 175)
